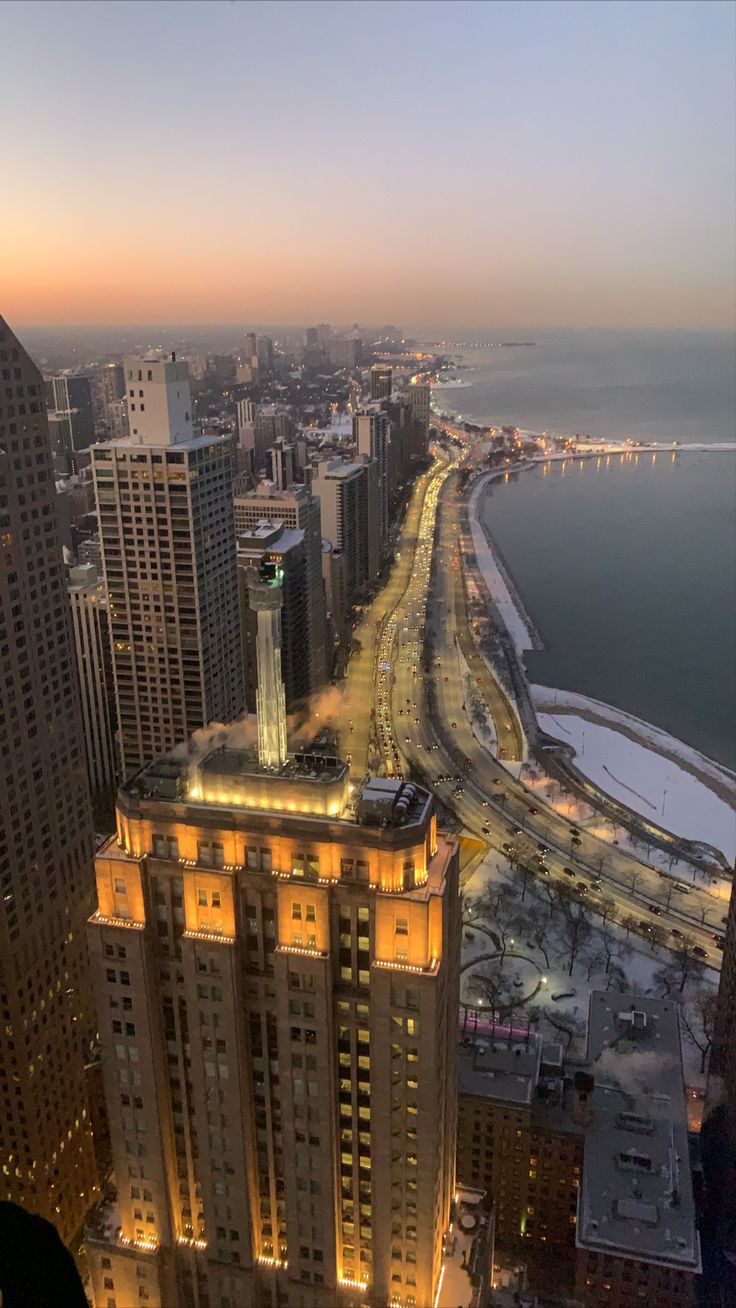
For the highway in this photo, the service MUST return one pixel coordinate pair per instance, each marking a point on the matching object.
(411, 672)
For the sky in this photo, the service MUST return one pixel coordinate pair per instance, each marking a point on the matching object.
(448, 164)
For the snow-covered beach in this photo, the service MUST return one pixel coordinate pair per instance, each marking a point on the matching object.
(633, 761)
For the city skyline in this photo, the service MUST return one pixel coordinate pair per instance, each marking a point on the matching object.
(555, 165)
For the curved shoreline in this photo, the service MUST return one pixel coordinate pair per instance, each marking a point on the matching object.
(713, 775)
(709, 772)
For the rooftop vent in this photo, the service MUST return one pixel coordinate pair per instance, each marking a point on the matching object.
(635, 1122)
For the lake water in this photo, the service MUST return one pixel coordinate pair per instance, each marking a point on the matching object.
(628, 569)
(647, 385)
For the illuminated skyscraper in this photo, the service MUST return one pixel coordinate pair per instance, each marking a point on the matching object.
(277, 970)
(46, 846)
(266, 597)
(164, 500)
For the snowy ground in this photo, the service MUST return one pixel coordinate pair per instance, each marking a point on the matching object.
(646, 781)
(541, 970)
(506, 605)
(481, 721)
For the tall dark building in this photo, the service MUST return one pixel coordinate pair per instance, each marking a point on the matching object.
(380, 382)
(46, 845)
(72, 423)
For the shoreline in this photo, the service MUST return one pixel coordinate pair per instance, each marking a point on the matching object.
(589, 445)
(713, 775)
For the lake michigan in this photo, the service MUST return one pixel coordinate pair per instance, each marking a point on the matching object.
(626, 567)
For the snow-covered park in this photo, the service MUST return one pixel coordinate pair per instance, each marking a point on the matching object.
(646, 781)
(533, 950)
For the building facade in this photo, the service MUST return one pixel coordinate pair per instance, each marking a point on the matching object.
(380, 382)
(164, 500)
(372, 433)
(276, 965)
(270, 545)
(71, 419)
(586, 1165)
(295, 507)
(344, 490)
(46, 838)
(91, 626)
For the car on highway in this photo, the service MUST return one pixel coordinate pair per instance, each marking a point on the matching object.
(581, 886)
(486, 831)
(569, 871)
(532, 809)
(698, 952)
(516, 831)
(656, 910)
(543, 849)
(676, 932)
(645, 926)
(453, 724)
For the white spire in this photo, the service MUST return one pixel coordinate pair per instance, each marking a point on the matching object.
(265, 597)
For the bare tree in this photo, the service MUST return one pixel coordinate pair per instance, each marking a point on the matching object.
(492, 984)
(524, 874)
(606, 910)
(550, 892)
(537, 926)
(698, 1017)
(576, 930)
(569, 1025)
(631, 924)
(617, 979)
(683, 965)
(612, 948)
(658, 936)
(633, 879)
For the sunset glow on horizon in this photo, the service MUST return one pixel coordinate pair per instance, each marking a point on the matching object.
(464, 164)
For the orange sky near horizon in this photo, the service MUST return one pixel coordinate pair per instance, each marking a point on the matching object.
(464, 164)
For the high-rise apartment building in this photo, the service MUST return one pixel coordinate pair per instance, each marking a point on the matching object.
(344, 491)
(296, 508)
(268, 548)
(46, 845)
(112, 379)
(380, 382)
(71, 419)
(276, 965)
(419, 398)
(260, 427)
(164, 500)
(372, 433)
(345, 351)
(281, 465)
(91, 626)
(336, 597)
(264, 351)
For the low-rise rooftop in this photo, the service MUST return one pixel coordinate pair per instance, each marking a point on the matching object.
(636, 1198)
(468, 1253)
